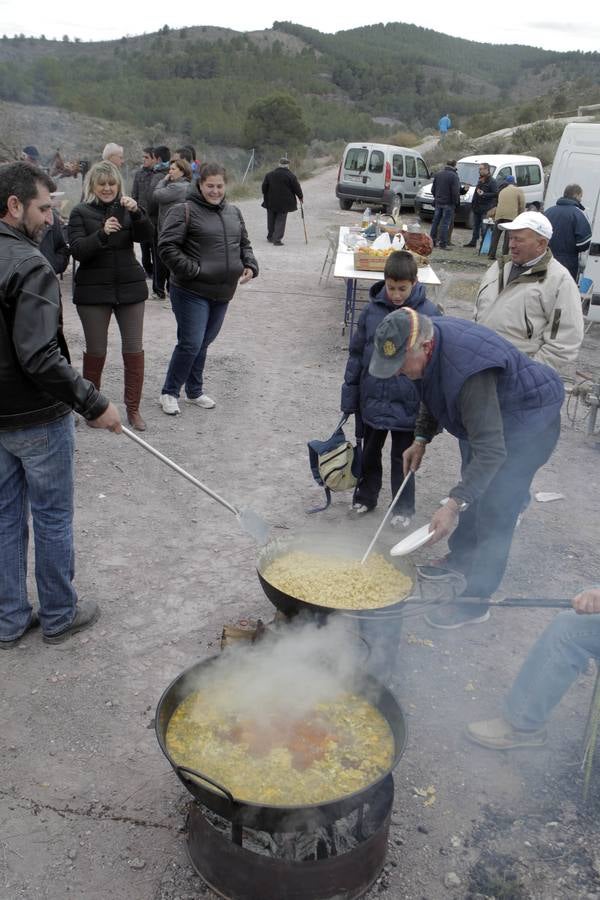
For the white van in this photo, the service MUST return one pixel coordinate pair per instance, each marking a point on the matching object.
(380, 175)
(577, 161)
(526, 170)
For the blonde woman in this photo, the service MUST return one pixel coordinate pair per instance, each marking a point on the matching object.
(109, 279)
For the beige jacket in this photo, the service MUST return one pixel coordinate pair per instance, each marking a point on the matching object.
(511, 203)
(539, 312)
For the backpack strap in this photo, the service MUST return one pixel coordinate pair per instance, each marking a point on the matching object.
(317, 509)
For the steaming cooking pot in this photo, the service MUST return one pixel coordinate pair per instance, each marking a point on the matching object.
(349, 546)
(266, 817)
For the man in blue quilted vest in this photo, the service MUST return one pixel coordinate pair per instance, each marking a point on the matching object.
(503, 407)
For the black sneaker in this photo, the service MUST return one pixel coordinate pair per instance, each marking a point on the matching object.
(278, 243)
(33, 623)
(86, 614)
(470, 244)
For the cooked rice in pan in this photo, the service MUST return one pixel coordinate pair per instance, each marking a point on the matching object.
(337, 582)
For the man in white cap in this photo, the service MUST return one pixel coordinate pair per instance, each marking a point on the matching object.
(530, 298)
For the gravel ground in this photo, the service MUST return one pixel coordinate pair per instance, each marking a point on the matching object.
(89, 808)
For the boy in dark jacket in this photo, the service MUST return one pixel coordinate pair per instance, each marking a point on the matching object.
(384, 405)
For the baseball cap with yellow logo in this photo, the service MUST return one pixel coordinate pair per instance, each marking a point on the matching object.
(394, 336)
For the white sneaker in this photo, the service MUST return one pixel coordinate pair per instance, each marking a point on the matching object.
(400, 521)
(169, 404)
(359, 509)
(203, 400)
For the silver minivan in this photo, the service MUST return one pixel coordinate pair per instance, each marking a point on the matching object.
(526, 170)
(380, 175)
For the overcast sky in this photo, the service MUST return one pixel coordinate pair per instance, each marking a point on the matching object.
(507, 22)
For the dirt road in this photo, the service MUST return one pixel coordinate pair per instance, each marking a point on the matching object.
(89, 808)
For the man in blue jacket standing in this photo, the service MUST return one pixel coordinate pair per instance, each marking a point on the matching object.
(446, 196)
(503, 407)
(444, 125)
(571, 231)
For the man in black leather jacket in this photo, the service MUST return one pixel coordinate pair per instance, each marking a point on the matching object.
(38, 391)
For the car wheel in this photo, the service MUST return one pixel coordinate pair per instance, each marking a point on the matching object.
(469, 221)
(346, 204)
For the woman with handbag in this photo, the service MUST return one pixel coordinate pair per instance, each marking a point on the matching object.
(205, 245)
(109, 279)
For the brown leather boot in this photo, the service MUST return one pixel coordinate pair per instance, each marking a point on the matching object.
(134, 379)
(92, 368)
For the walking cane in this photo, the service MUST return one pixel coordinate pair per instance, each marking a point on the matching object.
(303, 222)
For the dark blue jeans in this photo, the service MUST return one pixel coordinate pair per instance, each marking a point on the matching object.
(442, 219)
(199, 321)
(478, 216)
(36, 472)
(480, 545)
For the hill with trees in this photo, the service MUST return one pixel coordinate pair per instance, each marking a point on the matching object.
(201, 82)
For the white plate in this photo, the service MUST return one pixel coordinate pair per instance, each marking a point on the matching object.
(412, 541)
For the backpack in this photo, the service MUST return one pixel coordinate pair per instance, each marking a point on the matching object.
(335, 463)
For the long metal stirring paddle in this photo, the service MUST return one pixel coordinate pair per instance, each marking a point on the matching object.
(249, 520)
(386, 517)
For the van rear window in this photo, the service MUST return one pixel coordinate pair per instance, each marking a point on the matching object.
(527, 175)
(356, 160)
(411, 167)
(376, 161)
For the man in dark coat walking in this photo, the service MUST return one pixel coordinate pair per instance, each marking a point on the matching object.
(280, 189)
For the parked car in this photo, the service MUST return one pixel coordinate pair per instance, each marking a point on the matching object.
(526, 170)
(577, 161)
(380, 175)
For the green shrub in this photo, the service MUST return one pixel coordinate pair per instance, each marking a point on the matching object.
(403, 139)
